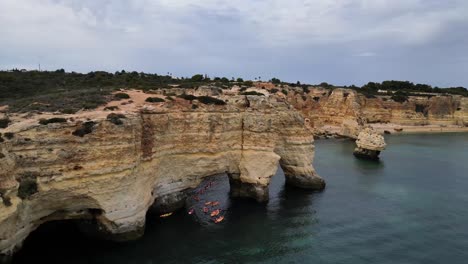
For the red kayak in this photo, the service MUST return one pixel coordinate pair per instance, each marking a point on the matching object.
(215, 212)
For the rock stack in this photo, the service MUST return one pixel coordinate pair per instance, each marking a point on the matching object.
(369, 144)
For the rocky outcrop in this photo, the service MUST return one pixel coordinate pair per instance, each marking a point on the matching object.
(369, 144)
(112, 173)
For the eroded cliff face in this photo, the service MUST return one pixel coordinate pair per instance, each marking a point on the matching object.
(345, 112)
(111, 174)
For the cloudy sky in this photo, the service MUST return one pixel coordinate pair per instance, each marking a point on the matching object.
(337, 41)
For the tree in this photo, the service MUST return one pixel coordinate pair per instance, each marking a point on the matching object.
(325, 85)
(224, 80)
(248, 83)
(275, 81)
(400, 97)
(197, 78)
(240, 80)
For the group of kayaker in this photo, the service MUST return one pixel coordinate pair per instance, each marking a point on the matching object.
(209, 206)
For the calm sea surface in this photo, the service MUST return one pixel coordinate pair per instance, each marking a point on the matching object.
(412, 207)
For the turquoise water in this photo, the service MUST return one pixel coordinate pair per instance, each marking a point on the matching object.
(412, 207)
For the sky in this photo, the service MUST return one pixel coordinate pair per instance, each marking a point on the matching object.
(341, 42)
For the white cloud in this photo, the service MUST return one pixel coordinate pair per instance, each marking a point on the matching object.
(89, 34)
(366, 54)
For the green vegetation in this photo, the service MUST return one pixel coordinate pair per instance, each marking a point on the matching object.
(284, 91)
(28, 186)
(275, 81)
(253, 93)
(188, 97)
(121, 96)
(116, 119)
(69, 92)
(111, 108)
(4, 122)
(400, 97)
(274, 90)
(210, 100)
(51, 91)
(155, 100)
(373, 88)
(248, 83)
(86, 128)
(9, 135)
(52, 120)
(198, 78)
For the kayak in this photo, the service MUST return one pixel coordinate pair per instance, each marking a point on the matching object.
(214, 203)
(165, 215)
(208, 203)
(215, 212)
(205, 210)
(219, 219)
(190, 211)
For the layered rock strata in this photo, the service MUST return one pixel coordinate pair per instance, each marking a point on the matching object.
(343, 112)
(111, 173)
(369, 144)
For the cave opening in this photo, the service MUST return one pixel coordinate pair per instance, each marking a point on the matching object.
(54, 241)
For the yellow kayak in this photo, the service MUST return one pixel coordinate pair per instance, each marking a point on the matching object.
(165, 215)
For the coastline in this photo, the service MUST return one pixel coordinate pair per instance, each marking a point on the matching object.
(392, 128)
(334, 132)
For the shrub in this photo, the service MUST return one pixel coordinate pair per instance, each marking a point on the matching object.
(194, 106)
(187, 97)
(275, 81)
(155, 100)
(68, 111)
(111, 108)
(210, 100)
(121, 96)
(305, 89)
(316, 98)
(4, 122)
(86, 128)
(197, 78)
(248, 83)
(284, 91)
(399, 97)
(115, 118)
(52, 120)
(240, 80)
(274, 90)
(27, 187)
(253, 93)
(9, 135)
(6, 200)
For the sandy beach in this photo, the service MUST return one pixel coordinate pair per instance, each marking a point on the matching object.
(394, 128)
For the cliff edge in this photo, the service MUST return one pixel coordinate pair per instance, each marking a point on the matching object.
(111, 169)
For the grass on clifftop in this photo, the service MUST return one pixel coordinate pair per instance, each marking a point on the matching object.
(50, 91)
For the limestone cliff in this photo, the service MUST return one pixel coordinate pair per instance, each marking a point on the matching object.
(111, 173)
(344, 111)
